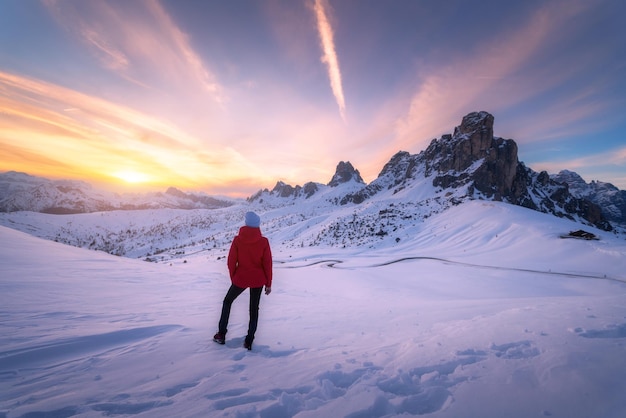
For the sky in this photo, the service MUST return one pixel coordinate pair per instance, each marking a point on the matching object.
(231, 97)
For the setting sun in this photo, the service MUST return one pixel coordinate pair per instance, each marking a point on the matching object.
(133, 177)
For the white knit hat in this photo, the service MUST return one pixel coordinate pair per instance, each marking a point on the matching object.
(253, 220)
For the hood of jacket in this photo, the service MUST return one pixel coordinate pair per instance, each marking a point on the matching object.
(249, 234)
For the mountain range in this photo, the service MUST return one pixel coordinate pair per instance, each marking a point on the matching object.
(469, 165)
(473, 164)
(23, 192)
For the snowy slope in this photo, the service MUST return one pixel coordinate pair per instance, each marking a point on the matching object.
(478, 311)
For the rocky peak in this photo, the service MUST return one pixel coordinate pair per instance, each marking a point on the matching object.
(475, 135)
(173, 191)
(486, 167)
(489, 165)
(401, 168)
(477, 125)
(344, 173)
(283, 189)
(471, 141)
(609, 198)
(570, 177)
(473, 154)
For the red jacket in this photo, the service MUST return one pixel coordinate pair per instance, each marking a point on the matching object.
(250, 259)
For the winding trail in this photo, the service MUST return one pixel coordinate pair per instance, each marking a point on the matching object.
(334, 263)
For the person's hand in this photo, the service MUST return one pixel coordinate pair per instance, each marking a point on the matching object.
(268, 290)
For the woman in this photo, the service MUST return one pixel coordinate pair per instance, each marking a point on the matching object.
(249, 266)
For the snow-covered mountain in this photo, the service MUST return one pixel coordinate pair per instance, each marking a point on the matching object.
(20, 191)
(469, 164)
(609, 198)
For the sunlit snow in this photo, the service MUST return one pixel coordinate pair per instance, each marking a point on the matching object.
(481, 310)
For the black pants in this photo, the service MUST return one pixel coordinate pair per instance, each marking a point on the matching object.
(231, 295)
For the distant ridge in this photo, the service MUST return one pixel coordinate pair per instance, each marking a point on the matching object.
(612, 201)
(23, 192)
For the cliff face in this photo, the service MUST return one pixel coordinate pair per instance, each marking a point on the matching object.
(473, 154)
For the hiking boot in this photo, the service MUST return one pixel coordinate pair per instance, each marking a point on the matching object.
(247, 344)
(219, 338)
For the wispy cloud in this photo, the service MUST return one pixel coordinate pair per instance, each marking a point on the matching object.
(146, 46)
(329, 56)
(183, 49)
(593, 167)
(615, 157)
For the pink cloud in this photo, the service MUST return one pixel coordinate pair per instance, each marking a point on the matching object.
(145, 44)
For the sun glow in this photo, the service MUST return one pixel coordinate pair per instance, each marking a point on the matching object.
(132, 177)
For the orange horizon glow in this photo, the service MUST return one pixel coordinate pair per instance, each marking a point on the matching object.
(75, 136)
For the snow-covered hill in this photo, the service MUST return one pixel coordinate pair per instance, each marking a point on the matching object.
(480, 310)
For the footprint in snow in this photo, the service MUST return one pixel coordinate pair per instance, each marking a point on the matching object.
(515, 350)
(611, 331)
(257, 350)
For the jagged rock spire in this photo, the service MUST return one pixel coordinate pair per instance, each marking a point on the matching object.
(344, 173)
(473, 141)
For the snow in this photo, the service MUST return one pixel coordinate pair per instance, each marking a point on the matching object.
(478, 311)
